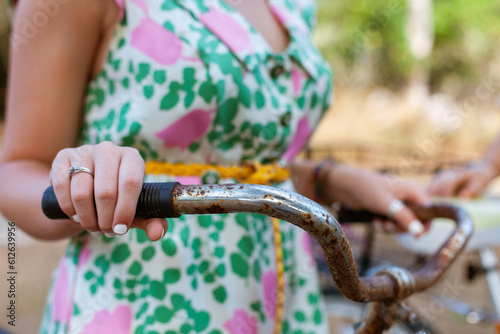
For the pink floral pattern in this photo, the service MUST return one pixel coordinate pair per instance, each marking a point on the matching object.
(241, 323)
(85, 254)
(105, 322)
(299, 140)
(228, 30)
(157, 42)
(187, 129)
(62, 303)
(270, 287)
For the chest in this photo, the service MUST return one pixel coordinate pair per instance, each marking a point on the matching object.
(198, 81)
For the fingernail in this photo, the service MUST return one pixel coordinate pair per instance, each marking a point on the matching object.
(96, 234)
(76, 219)
(120, 229)
(415, 227)
(378, 227)
(110, 235)
(163, 231)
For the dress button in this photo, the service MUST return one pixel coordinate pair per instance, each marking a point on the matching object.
(210, 177)
(277, 71)
(286, 118)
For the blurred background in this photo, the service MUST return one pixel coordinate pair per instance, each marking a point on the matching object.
(418, 78)
(409, 74)
(417, 86)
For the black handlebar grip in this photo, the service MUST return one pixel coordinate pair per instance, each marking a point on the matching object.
(50, 206)
(155, 201)
(346, 215)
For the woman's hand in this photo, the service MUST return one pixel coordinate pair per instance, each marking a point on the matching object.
(465, 182)
(378, 193)
(114, 188)
(364, 190)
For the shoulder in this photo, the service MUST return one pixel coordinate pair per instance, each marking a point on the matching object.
(62, 20)
(42, 13)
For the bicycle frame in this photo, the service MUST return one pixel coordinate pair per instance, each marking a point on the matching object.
(386, 289)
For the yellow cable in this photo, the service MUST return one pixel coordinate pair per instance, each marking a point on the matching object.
(280, 271)
(247, 173)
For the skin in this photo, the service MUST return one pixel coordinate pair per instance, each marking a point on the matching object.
(43, 119)
(362, 189)
(40, 91)
(468, 182)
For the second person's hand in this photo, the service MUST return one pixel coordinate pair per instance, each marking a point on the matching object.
(465, 182)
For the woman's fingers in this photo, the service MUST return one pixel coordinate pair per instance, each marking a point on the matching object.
(472, 188)
(82, 189)
(448, 183)
(411, 192)
(404, 218)
(479, 177)
(106, 201)
(107, 164)
(131, 178)
(465, 183)
(406, 221)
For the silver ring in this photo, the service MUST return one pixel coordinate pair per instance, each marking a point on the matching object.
(77, 169)
(395, 206)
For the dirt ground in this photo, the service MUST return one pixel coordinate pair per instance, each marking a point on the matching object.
(34, 264)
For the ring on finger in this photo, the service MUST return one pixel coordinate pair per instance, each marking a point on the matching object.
(394, 207)
(78, 169)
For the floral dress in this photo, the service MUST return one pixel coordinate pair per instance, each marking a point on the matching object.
(192, 82)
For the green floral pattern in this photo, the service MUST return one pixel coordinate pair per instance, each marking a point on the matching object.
(192, 81)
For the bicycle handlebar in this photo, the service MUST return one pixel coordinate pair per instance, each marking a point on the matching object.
(167, 200)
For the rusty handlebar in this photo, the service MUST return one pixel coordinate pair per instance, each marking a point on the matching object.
(390, 284)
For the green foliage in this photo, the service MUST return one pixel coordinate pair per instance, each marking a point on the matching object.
(372, 35)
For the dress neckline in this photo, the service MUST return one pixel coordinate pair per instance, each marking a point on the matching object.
(252, 29)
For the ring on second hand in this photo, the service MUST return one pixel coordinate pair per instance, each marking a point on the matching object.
(395, 206)
(77, 169)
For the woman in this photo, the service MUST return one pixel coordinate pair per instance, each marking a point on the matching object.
(173, 83)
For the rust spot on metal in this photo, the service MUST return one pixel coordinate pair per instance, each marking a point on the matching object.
(213, 209)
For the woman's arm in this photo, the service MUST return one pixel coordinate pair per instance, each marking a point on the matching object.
(49, 70)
